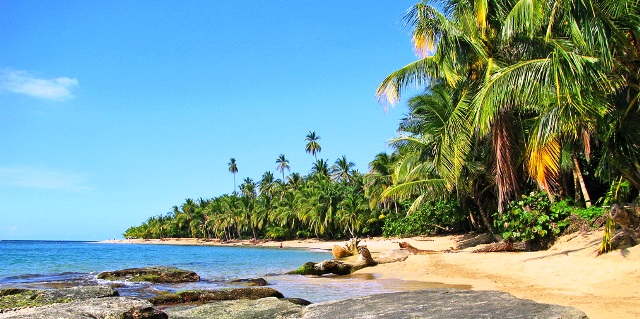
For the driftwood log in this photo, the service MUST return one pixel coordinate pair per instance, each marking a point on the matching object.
(350, 248)
(341, 268)
(628, 217)
(416, 251)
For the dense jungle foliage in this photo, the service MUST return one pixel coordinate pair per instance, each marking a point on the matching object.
(528, 123)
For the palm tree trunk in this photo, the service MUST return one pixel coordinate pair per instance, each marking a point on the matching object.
(583, 187)
(483, 214)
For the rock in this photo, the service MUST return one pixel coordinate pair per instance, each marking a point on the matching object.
(308, 268)
(424, 304)
(258, 282)
(160, 274)
(432, 303)
(297, 301)
(265, 308)
(20, 298)
(95, 308)
(11, 291)
(215, 295)
(439, 303)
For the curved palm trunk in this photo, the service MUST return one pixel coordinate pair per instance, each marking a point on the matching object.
(483, 214)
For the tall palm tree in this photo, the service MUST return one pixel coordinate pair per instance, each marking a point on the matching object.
(313, 147)
(283, 164)
(233, 168)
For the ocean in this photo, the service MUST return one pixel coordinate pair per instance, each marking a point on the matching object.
(48, 264)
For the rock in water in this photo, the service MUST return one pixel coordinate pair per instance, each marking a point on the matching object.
(215, 295)
(160, 274)
(258, 282)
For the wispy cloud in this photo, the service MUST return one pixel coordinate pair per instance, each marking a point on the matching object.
(23, 82)
(30, 177)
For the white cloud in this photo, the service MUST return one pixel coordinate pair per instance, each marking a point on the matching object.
(41, 178)
(23, 82)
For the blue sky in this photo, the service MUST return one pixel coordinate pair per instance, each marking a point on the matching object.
(115, 111)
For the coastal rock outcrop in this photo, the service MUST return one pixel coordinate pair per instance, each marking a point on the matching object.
(12, 298)
(424, 304)
(159, 274)
(215, 295)
(258, 282)
(265, 308)
(95, 308)
(439, 303)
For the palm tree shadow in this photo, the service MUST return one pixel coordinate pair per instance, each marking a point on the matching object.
(591, 245)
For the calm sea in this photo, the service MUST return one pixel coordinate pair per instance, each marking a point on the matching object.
(43, 264)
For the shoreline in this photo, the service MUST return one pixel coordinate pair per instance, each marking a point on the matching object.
(568, 274)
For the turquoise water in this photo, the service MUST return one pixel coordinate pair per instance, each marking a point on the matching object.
(42, 264)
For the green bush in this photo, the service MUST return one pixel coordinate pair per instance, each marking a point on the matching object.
(532, 218)
(430, 217)
(590, 213)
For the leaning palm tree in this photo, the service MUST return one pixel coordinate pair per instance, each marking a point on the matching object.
(283, 164)
(233, 168)
(313, 147)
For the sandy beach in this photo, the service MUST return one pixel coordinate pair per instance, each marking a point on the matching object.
(567, 274)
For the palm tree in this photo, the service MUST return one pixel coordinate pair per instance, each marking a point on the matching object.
(295, 181)
(342, 169)
(266, 184)
(379, 177)
(283, 164)
(313, 147)
(320, 168)
(488, 51)
(352, 213)
(233, 168)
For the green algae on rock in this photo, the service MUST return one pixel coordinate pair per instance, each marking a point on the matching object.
(159, 274)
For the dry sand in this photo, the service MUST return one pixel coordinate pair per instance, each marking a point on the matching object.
(568, 274)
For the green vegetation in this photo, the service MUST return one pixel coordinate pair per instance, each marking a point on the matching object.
(12, 298)
(431, 218)
(521, 97)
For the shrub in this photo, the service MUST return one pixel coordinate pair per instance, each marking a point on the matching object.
(532, 219)
(430, 217)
